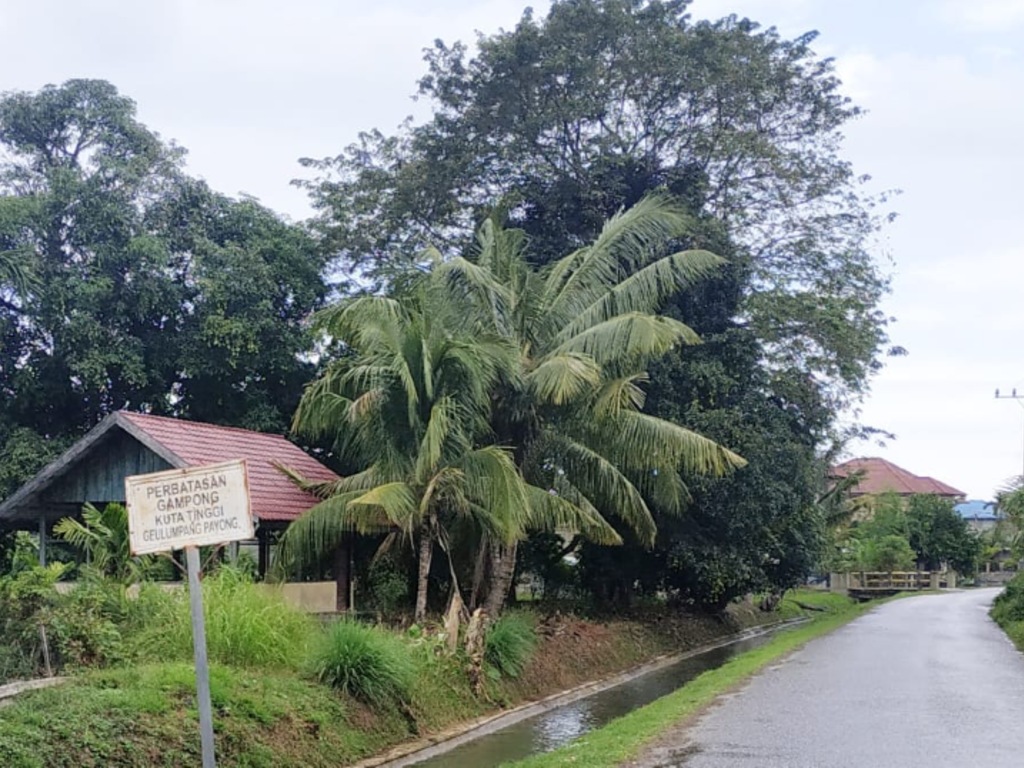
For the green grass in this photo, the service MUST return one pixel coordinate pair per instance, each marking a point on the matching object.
(146, 716)
(367, 663)
(625, 737)
(510, 644)
(246, 625)
(819, 598)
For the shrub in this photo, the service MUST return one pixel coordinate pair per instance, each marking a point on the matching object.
(388, 587)
(510, 644)
(1009, 604)
(246, 624)
(24, 600)
(87, 625)
(365, 662)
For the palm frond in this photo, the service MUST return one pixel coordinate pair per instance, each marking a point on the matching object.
(619, 394)
(628, 240)
(603, 484)
(394, 504)
(653, 442)
(647, 289)
(320, 530)
(552, 513)
(16, 270)
(439, 428)
(492, 481)
(324, 489)
(562, 378)
(628, 338)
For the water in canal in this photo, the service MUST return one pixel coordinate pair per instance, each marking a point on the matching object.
(550, 730)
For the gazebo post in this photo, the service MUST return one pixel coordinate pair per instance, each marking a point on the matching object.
(263, 552)
(42, 541)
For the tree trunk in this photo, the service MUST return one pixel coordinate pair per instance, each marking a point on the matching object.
(503, 565)
(426, 554)
(479, 571)
(342, 568)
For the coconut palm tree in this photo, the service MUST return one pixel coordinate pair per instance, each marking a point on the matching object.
(585, 329)
(408, 400)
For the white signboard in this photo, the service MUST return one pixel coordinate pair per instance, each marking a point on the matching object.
(190, 507)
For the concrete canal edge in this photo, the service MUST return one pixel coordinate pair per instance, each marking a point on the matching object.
(412, 752)
(9, 691)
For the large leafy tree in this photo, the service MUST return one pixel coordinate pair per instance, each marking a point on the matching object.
(940, 536)
(570, 117)
(755, 530)
(152, 291)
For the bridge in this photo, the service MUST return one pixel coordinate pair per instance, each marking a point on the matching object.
(864, 585)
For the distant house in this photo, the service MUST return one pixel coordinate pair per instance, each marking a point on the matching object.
(980, 515)
(878, 476)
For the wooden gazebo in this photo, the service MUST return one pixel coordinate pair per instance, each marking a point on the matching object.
(124, 443)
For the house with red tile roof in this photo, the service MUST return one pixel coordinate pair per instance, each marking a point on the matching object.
(877, 476)
(124, 443)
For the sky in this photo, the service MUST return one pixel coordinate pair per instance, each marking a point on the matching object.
(250, 86)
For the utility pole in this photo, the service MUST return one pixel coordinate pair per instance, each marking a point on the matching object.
(1020, 401)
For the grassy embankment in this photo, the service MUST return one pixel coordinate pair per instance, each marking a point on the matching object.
(283, 697)
(1008, 610)
(624, 738)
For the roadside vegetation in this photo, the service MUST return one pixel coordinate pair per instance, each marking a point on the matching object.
(1008, 610)
(887, 533)
(287, 690)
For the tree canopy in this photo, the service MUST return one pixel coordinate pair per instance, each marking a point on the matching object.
(135, 285)
(568, 118)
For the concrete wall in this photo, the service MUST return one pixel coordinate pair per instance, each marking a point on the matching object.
(307, 596)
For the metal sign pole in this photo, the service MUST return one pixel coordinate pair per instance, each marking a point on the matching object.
(195, 597)
(187, 508)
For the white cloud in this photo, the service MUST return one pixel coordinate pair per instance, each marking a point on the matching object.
(984, 15)
(944, 127)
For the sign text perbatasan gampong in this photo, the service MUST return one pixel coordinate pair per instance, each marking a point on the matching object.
(188, 507)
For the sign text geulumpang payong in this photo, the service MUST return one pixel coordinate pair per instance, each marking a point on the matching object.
(191, 507)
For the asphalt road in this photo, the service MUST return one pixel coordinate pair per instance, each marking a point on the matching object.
(923, 681)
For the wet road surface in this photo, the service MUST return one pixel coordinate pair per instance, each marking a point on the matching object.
(922, 681)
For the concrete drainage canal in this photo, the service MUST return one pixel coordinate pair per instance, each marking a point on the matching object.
(527, 731)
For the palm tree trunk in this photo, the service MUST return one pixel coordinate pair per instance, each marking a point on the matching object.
(479, 571)
(426, 555)
(503, 566)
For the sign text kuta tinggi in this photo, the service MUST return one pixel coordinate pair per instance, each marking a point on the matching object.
(188, 507)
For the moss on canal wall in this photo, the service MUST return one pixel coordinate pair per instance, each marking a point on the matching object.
(145, 715)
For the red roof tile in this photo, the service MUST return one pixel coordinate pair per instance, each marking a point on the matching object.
(881, 476)
(273, 496)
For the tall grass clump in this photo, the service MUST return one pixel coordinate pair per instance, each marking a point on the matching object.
(509, 644)
(247, 624)
(365, 662)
